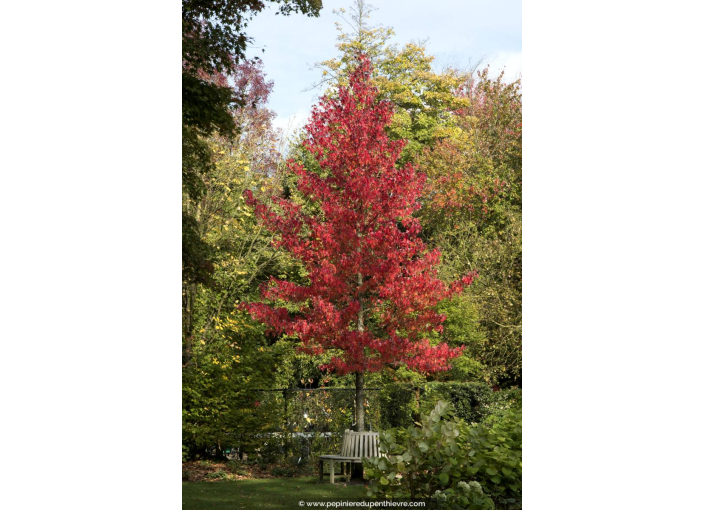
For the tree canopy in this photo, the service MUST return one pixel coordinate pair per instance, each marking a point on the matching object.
(351, 244)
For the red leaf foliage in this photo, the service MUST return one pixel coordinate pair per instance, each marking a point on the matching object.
(373, 283)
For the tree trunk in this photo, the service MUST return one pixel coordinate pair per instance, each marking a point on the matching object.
(358, 469)
(359, 379)
(220, 452)
(187, 347)
(359, 399)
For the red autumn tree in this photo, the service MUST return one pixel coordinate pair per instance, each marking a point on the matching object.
(373, 283)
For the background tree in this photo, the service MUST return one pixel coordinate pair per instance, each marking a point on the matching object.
(227, 355)
(213, 44)
(372, 287)
(472, 212)
(424, 100)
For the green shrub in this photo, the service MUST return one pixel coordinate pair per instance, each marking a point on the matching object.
(418, 461)
(469, 399)
(496, 458)
(296, 462)
(504, 401)
(283, 471)
(467, 496)
(401, 404)
(443, 451)
(218, 475)
(398, 404)
(271, 451)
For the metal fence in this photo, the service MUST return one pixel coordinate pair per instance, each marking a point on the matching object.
(302, 423)
(305, 422)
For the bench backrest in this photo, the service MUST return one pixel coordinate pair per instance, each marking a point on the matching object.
(360, 444)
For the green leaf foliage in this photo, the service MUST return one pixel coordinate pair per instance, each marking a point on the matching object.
(402, 403)
(424, 99)
(466, 496)
(442, 452)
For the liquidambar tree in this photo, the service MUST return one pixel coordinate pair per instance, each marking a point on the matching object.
(373, 284)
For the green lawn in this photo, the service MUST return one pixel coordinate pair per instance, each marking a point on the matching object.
(266, 493)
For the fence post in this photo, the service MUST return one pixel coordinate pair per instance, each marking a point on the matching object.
(287, 429)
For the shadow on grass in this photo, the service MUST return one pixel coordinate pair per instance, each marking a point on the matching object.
(267, 493)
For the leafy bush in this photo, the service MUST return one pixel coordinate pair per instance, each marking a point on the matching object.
(444, 451)
(271, 450)
(296, 462)
(495, 452)
(504, 401)
(218, 475)
(283, 471)
(417, 461)
(467, 496)
(397, 405)
(469, 400)
(310, 423)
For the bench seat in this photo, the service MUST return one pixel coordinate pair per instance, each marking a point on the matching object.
(355, 446)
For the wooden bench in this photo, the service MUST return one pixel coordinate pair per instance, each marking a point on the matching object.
(355, 446)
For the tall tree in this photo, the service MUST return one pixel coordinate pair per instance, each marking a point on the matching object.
(424, 100)
(373, 286)
(213, 31)
(472, 212)
(220, 223)
(227, 355)
(213, 45)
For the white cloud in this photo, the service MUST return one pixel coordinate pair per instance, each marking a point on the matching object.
(509, 61)
(291, 123)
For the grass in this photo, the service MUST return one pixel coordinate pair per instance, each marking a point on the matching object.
(265, 493)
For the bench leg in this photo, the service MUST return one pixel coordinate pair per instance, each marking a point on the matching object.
(349, 472)
(320, 470)
(332, 471)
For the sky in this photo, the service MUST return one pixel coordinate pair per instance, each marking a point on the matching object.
(459, 32)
